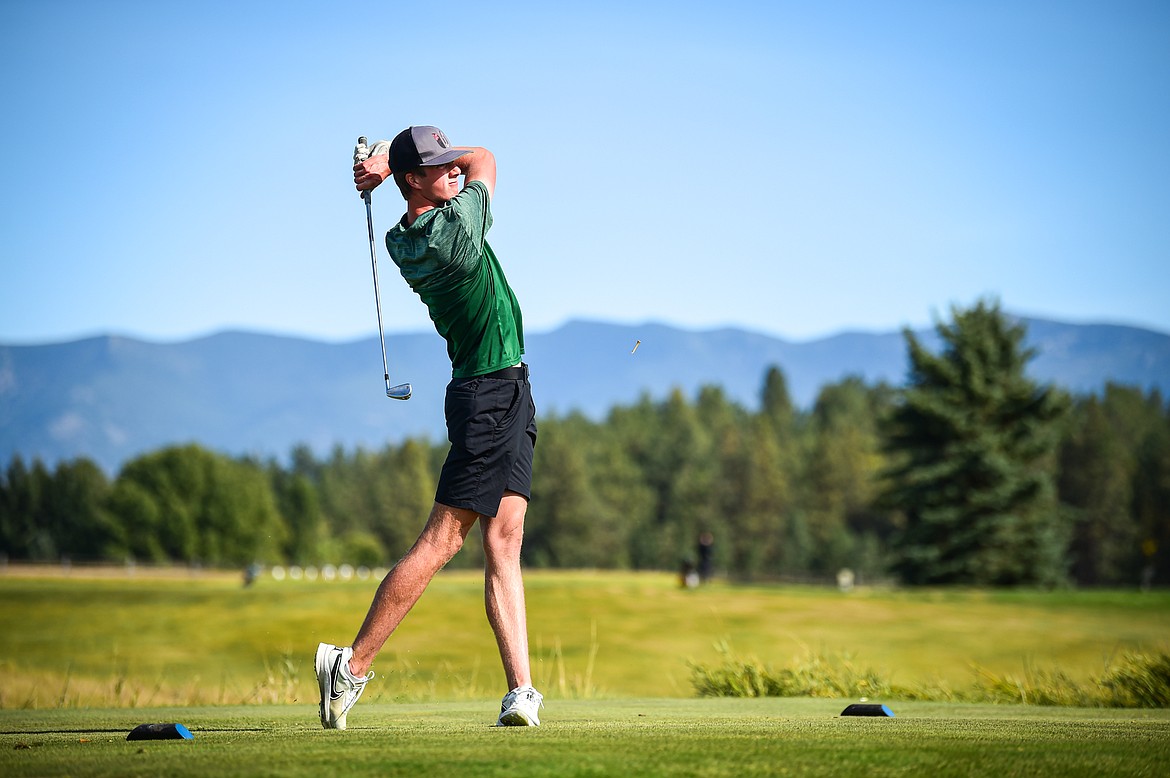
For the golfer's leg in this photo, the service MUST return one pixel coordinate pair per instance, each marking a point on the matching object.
(440, 539)
(504, 586)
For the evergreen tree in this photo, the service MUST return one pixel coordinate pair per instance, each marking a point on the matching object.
(23, 499)
(724, 497)
(561, 528)
(766, 536)
(760, 541)
(1097, 466)
(406, 497)
(298, 504)
(75, 510)
(667, 444)
(1152, 501)
(776, 406)
(625, 501)
(973, 439)
(841, 476)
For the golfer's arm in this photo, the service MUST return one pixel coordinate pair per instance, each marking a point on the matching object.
(479, 165)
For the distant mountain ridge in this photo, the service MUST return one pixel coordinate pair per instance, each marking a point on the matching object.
(111, 398)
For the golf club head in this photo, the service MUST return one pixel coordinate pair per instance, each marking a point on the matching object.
(400, 392)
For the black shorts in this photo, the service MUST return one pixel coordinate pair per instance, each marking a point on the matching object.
(491, 423)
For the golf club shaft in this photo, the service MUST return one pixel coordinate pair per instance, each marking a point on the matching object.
(377, 294)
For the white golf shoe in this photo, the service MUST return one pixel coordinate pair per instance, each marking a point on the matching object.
(340, 689)
(521, 708)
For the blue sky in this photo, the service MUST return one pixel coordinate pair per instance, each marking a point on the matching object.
(796, 168)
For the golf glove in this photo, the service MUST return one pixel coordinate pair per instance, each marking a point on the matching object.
(362, 152)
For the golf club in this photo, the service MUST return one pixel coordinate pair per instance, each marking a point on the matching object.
(401, 391)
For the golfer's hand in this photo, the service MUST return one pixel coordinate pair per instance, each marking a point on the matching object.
(371, 172)
(371, 165)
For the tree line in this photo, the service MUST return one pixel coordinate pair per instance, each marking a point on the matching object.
(971, 473)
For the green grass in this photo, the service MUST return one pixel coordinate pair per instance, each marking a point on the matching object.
(202, 639)
(643, 737)
(86, 658)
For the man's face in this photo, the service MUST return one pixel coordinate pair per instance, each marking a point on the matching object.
(439, 183)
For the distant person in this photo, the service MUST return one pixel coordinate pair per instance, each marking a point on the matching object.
(440, 247)
(706, 549)
(1149, 549)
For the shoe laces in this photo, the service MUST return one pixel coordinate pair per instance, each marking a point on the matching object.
(346, 677)
(359, 682)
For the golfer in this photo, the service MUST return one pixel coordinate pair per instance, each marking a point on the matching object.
(440, 247)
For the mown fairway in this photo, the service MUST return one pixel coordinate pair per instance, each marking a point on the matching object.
(85, 658)
(199, 639)
(633, 737)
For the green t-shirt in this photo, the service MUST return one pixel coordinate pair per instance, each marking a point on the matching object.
(446, 259)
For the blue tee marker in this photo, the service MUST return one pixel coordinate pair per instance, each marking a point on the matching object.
(160, 732)
(863, 709)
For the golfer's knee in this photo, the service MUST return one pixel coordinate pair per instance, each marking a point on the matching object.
(445, 532)
(502, 541)
(442, 546)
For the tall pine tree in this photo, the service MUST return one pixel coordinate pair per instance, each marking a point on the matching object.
(973, 440)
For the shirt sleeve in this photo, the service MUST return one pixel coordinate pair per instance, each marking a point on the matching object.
(473, 205)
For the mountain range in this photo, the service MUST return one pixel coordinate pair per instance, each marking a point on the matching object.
(111, 398)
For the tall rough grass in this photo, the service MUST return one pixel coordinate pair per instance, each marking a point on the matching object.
(1140, 681)
(813, 675)
(1136, 680)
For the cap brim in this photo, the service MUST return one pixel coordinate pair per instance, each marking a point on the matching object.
(447, 156)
